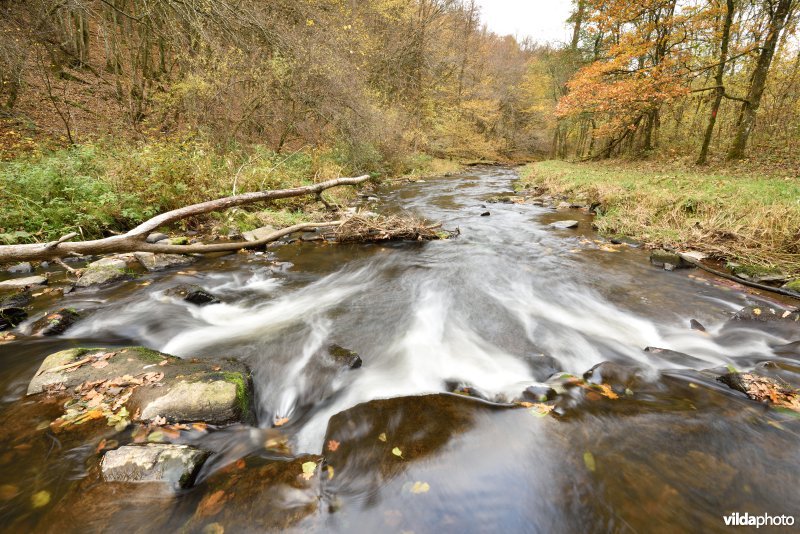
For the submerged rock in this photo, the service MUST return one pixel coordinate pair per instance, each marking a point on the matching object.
(152, 385)
(694, 324)
(159, 262)
(56, 323)
(564, 225)
(23, 283)
(173, 464)
(766, 314)
(193, 294)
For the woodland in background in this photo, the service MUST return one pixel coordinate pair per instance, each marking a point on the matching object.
(706, 78)
(380, 80)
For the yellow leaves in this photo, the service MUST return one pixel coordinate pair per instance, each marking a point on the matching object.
(420, 487)
(330, 472)
(309, 468)
(382, 437)
(211, 504)
(756, 311)
(589, 461)
(40, 499)
(397, 452)
(309, 22)
(541, 409)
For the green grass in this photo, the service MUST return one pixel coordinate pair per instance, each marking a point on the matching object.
(751, 219)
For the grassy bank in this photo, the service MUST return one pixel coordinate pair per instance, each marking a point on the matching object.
(105, 187)
(751, 219)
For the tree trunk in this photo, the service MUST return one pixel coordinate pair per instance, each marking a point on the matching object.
(719, 91)
(134, 240)
(747, 117)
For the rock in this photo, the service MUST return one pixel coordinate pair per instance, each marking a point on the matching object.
(21, 268)
(564, 205)
(213, 391)
(106, 271)
(766, 314)
(763, 389)
(193, 294)
(311, 236)
(466, 389)
(563, 225)
(539, 393)
(625, 241)
(173, 464)
(259, 233)
(485, 214)
(501, 199)
(695, 325)
(56, 323)
(770, 278)
(668, 260)
(344, 357)
(159, 262)
(155, 237)
(23, 283)
(12, 309)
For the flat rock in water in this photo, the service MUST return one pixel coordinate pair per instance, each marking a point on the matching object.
(763, 389)
(159, 262)
(106, 271)
(173, 464)
(259, 233)
(22, 283)
(213, 391)
(563, 225)
(767, 314)
(668, 260)
(193, 294)
(56, 323)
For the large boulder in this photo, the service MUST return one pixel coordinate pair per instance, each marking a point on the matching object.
(767, 314)
(23, 283)
(149, 384)
(105, 272)
(173, 464)
(159, 262)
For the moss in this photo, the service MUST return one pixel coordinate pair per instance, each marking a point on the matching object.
(148, 355)
(180, 241)
(794, 285)
(242, 390)
(752, 270)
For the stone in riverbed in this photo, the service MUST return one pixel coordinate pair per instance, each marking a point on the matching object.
(258, 234)
(193, 294)
(563, 225)
(155, 237)
(105, 271)
(763, 389)
(12, 309)
(23, 283)
(159, 262)
(56, 323)
(213, 391)
(344, 357)
(173, 464)
(668, 260)
(21, 268)
(767, 314)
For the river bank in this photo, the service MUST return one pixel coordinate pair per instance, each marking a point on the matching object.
(750, 221)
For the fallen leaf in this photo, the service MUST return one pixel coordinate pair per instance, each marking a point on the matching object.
(588, 460)
(241, 463)
(397, 452)
(158, 420)
(541, 409)
(8, 492)
(163, 362)
(281, 421)
(214, 528)
(40, 498)
(100, 446)
(100, 364)
(333, 445)
(330, 472)
(382, 436)
(420, 487)
(211, 504)
(308, 470)
(756, 311)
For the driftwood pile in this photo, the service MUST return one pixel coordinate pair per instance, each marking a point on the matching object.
(359, 229)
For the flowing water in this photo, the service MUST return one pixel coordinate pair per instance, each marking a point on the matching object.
(507, 304)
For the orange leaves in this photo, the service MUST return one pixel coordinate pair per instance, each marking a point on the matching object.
(333, 445)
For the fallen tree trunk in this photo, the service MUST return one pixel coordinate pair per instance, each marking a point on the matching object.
(134, 240)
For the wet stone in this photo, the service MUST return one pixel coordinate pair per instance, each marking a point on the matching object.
(155, 237)
(23, 283)
(159, 262)
(344, 357)
(193, 294)
(694, 324)
(104, 272)
(767, 314)
(21, 268)
(668, 260)
(173, 464)
(56, 323)
(259, 233)
(564, 225)
(12, 309)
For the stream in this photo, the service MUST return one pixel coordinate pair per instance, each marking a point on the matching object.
(506, 305)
